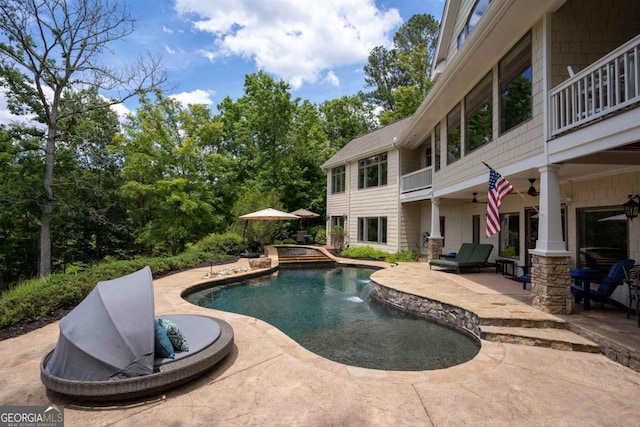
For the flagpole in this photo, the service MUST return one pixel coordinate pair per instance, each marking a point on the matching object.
(515, 189)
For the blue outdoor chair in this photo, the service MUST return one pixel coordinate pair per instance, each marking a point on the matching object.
(617, 275)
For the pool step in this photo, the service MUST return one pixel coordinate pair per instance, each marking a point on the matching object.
(555, 338)
(290, 259)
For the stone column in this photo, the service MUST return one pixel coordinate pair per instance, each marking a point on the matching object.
(434, 247)
(550, 279)
(550, 262)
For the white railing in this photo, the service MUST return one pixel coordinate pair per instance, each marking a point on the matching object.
(602, 88)
(416, 180)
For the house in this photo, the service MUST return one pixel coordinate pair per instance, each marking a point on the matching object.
(548, 94)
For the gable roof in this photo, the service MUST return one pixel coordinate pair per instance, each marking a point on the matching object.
(369, 144)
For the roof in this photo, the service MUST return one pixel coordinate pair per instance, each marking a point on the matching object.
(370, 143)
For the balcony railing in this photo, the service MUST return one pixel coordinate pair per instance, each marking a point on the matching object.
(607, 86)
(416, 180)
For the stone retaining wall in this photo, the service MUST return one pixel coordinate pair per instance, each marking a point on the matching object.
(445, 314)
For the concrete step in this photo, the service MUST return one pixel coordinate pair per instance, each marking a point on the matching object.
(558, 339)
(524, 322)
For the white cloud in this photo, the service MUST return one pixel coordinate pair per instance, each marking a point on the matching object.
(295, 40)
(332, 78)
(121, 110)
(168, 49)
(197, 96)
(167, 30)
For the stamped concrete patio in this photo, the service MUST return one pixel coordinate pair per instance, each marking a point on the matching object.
(269, 380)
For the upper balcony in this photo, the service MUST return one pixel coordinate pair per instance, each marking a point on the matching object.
(416, 185)
(605, 87)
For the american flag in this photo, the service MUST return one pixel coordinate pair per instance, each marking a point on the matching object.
(498, 188)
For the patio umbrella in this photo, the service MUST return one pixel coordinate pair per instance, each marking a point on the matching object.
(303, 213)
(620, 217)
(109, 335)
(268, 214)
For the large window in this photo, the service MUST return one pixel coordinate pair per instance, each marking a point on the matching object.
(515, 85)
(453, 135)
(476, 13)
(338, 179)
(478, 107)
(372, 229)
(509, 237)
(372, 172)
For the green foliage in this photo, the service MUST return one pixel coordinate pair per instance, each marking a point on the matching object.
(367, 252)
(34, 298)
(319, 234)
(227, 243)
(403, 256)
(389, 71)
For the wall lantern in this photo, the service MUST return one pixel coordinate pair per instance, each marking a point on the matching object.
(632, 207)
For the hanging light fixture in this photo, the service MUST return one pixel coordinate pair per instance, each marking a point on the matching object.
(532, 190)
(632, 207)
(474, 200)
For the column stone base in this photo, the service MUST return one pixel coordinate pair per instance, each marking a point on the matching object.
(551, 283)
(434, 248)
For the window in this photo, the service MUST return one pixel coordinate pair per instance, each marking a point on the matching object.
(474, 17)
(372, 172)
(515, 85)
(436, 146)
(478, 109)
(337, 221)
(509, 237)
(453, 135)
(372, 229)
(429, 154)
(338, 179)
(602, 240)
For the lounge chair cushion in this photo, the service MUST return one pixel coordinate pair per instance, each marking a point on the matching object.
(163, 347)
(177, 338)
(200, 332)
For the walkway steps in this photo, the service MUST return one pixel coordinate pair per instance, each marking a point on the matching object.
(555, 338)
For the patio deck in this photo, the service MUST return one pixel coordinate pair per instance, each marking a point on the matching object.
(268, 380)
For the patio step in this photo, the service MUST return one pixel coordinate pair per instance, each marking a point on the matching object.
(519, 322)
(558, 339)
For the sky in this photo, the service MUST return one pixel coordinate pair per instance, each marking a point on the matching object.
(319, 47)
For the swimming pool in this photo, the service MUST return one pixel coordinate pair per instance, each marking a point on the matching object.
(328, 311)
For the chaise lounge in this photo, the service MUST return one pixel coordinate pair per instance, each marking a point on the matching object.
(108, 347)
(470, 255)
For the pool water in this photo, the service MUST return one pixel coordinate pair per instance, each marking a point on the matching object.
(329, 312)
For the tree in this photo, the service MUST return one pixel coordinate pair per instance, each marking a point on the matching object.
(49, 47)
(405, 65)
(169, 191)
(344, 119)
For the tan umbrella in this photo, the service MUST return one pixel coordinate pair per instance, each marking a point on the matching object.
(303, 213)
(269, 214)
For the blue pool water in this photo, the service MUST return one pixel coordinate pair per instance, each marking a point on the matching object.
(329, 312)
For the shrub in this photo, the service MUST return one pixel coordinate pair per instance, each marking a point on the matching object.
(364, 252)
(34, 298)
(403, 256)
(227, 243)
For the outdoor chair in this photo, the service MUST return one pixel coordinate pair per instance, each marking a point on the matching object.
(607, 285)
(302, 237)
(633, 284)
(468, 256)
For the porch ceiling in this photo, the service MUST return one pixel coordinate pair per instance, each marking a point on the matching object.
(604, 163)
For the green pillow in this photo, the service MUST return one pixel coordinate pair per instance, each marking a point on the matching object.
(163, 346)
(175, 335)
